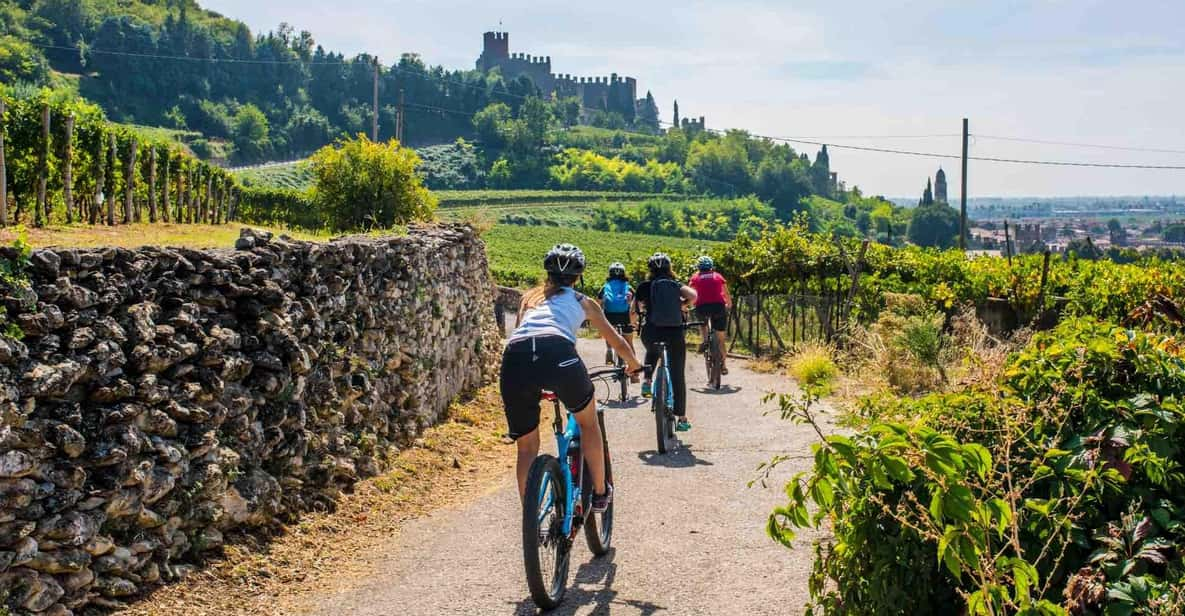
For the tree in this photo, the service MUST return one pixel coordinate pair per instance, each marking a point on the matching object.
(1117, 233)
(648, 115)
(250, 132)
(719, 166)
(1084, 249)
(567, 110)
(20, 61)
(360, 185)
(489, 124)
(1174, 232)
(934, 225)
(927, 195)
(783, 182)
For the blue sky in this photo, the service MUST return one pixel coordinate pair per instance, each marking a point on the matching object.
(1078, 71)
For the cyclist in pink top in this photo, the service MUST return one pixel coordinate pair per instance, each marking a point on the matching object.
(712, 305)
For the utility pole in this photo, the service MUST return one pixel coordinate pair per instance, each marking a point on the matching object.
(963, 199)
(399, 119)
(374, 126)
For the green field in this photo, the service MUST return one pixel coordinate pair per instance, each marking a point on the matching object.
(516, 252)
(293, 175)
(518, 198)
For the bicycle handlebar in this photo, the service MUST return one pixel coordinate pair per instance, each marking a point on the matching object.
(614, 374)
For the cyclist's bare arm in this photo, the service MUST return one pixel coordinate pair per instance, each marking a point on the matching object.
(596, 317)
(689, 294)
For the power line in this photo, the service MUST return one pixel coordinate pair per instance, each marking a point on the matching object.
(992, 159)
(1081, 145)
(153, 56)
(882, 136)
(808, 141)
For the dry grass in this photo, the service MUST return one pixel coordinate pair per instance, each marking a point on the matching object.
(143, 234)
(814, 369)
(450, 464)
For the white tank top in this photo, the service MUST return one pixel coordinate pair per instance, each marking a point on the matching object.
(561, 315)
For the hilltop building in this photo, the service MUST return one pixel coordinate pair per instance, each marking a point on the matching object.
(612, 93)
(936, 192)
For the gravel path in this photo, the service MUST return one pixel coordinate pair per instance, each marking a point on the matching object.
(688, 536)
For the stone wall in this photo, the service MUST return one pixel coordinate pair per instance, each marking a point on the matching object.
(162, 397)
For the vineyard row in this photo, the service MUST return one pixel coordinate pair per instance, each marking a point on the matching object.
(61, 161)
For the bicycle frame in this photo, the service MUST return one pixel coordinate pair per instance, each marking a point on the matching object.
(567, 434)
(666, 373)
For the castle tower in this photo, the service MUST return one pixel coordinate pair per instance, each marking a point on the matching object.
(495, 49)
(940, 186)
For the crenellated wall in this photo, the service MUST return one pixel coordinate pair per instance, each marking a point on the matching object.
(162, 397)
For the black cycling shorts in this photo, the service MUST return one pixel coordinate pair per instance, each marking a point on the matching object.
(532, 365)
(715, 315)
(621, 319)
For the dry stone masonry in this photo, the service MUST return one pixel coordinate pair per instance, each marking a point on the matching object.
(161, 398)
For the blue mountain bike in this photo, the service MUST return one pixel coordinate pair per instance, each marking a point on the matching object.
(663, 402)
(558, 503)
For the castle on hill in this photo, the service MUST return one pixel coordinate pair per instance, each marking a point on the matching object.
(611, 93)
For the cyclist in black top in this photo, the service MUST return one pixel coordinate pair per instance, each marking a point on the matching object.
(663, 323)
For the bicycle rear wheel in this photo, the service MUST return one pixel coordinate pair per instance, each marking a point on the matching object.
(664, 418)
(545, 548)
(715, 362)
(598, 527)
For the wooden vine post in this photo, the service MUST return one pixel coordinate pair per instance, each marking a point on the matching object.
(180, 190)
(219, 198)
(111, 199)
(185, 201)
(40, 208)
(68, 172)
(3, 170)
(129, 183)
(152, 184)
(207, 202)
(164, 201)
(100, 179)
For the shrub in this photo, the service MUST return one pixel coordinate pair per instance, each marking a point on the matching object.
(359, 184)
(1055, 490)
(814, 369)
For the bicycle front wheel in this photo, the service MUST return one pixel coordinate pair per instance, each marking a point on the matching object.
(625, 381)
(546, 549)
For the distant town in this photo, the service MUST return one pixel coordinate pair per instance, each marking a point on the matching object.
(1035, 224)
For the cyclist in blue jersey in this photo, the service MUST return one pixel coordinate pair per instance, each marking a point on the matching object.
(616, 296)
(541, 355)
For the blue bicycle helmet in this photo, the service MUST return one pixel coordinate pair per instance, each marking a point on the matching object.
(705, 264)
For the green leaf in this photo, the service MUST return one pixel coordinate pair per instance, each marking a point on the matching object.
(958, 503)
(979, 458)
(936, 506)
(823, 493)
(898, 469)
(879, 478)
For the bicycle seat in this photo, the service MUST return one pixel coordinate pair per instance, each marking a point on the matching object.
(549, 396)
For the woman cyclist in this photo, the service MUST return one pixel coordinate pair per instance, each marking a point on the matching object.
(541, 355)
(616, 297)
(712, 305)
(661, 300)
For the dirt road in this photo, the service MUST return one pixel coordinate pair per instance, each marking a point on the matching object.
(688, 535)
